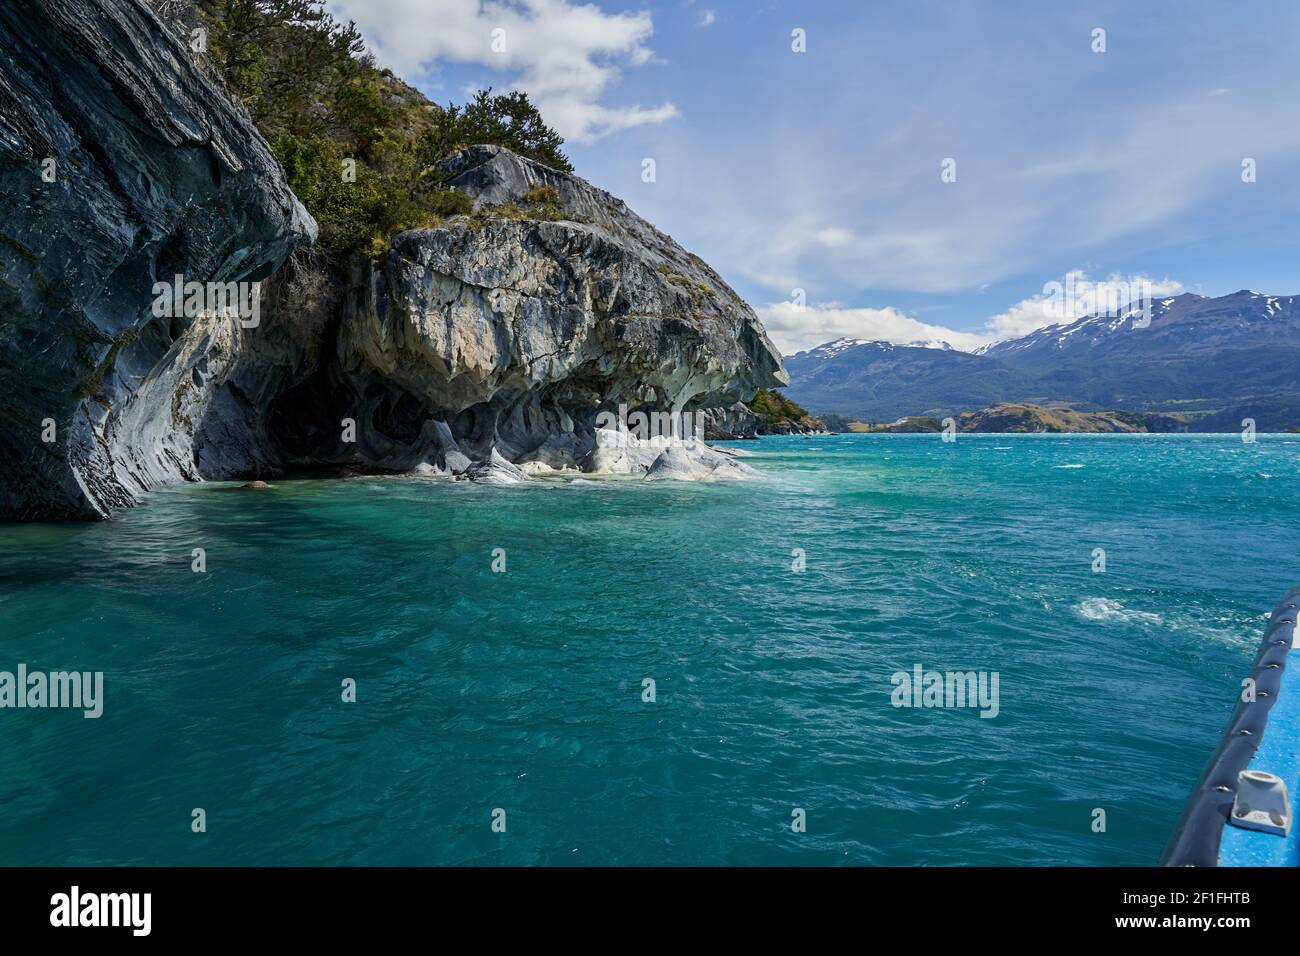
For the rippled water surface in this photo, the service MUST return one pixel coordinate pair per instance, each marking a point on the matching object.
(523, 690)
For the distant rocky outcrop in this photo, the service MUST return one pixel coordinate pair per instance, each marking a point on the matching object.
(912, 424)
(736, 422)
(1010, 417)
(805, 425)
(1024, 417)
(777, 415)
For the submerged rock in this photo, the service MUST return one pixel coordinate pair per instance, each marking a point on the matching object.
(495, 471)
(618, 453)
(534, 468)
(658, 458)
(695, 461)
(558, 452)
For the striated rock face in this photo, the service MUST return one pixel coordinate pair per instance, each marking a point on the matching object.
(485, 348)
(503, 336)
(738, 421)
(155, 172)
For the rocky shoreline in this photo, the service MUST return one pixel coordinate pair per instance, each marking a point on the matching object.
(479, 348)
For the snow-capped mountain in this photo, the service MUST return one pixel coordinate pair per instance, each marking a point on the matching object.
(874, 379)
(843, 344)
(1177, 324)
(1190, 354)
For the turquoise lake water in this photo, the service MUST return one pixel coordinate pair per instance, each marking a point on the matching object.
(523, 690)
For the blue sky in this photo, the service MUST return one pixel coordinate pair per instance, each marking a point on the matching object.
(821, 170)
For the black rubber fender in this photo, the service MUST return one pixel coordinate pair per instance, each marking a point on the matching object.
(1195, 841)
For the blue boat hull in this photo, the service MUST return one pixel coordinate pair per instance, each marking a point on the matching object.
(1264, 734)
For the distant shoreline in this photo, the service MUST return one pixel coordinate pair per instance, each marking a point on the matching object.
(1009, 418)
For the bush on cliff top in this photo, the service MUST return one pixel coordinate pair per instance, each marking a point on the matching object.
(777, 408)
(320, 99)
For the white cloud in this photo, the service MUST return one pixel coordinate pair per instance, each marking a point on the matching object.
(794, 329)
(834, 236)
(565, 55)
(708, 18)
(1073, 297)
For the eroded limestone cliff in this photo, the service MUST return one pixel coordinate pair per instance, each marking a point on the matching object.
(492, 340)
(120, 164)
(515, 333)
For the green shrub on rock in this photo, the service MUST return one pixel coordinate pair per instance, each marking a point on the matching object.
(360, 147)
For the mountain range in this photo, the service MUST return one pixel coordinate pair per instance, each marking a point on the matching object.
(1207, 361)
